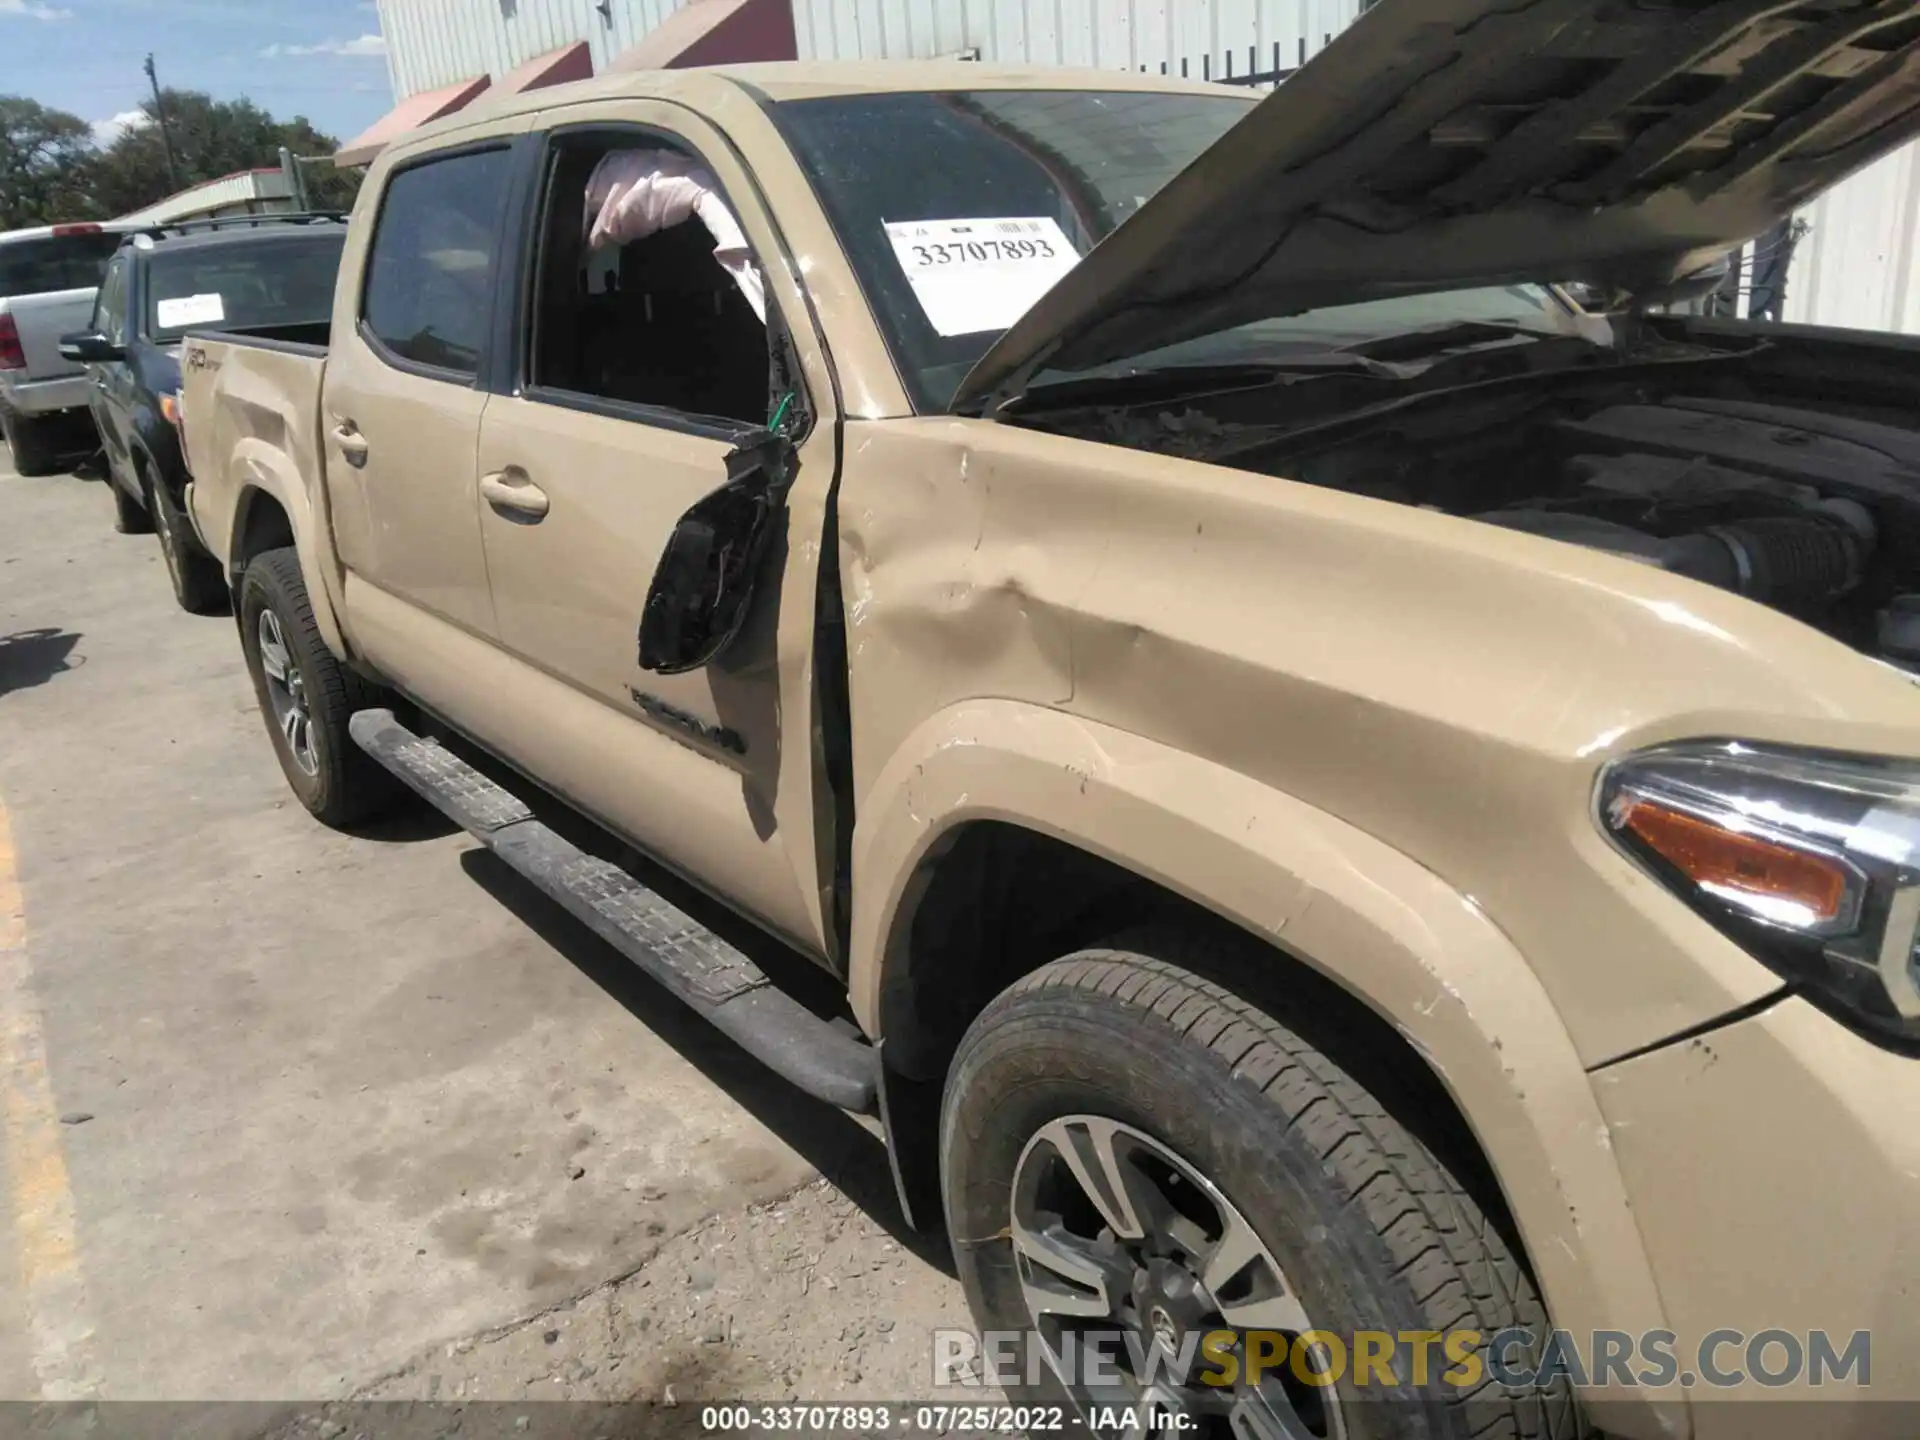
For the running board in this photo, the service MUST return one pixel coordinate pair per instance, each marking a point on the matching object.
(705, 972)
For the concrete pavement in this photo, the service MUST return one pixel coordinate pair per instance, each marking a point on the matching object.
(349, 1097)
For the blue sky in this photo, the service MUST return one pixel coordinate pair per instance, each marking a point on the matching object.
(320, 58)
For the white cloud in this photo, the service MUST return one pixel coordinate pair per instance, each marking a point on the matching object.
(105, 132)
(359, 45)
(32, 10)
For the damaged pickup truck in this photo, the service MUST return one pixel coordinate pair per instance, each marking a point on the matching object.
(1344, 792)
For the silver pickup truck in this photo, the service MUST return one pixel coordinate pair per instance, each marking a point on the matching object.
(48, 278)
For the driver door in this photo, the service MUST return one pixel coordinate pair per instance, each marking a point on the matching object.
(644, 368)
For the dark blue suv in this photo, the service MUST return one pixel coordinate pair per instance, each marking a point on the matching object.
(269, 277)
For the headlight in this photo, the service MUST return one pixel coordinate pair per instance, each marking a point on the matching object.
(1810, 861)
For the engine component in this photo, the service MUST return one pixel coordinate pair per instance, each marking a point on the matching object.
(1899, 631)
(1787, 560)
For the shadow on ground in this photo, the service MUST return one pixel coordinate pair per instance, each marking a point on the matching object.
(841, 1148)
(33, 657)
(844, 1151)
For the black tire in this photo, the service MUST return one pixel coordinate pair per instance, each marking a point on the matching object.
(1372, 1231)
(130, 516)
(29, 444)
(197, 582)
(345, 786)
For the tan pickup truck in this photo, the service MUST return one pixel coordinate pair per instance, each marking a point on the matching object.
(1352, 798)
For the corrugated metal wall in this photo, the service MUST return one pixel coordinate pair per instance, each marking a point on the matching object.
(1213, 37)
(431, 43)
(1856, 265)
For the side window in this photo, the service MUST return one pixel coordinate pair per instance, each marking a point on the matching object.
(430, 272)
(646, 292)
(110, 307)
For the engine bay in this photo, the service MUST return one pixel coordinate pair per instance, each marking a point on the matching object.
(1814, 512)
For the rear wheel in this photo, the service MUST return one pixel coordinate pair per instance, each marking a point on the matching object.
(307, 696)
(1137, 1157)
(29, 444)
(197, 582)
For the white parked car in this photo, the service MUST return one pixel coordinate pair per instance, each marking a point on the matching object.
(48, 278)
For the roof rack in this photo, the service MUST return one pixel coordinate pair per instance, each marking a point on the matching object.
(175, 228)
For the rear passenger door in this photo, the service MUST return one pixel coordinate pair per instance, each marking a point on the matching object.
(641, 367)
(404, 392)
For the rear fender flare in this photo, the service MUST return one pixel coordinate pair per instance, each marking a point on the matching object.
(1388, 930)
(263, 469)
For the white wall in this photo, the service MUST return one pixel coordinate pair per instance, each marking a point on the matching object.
(1856, 266)
(1110, 34)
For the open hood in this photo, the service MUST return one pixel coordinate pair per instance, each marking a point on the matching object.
(1442, 143)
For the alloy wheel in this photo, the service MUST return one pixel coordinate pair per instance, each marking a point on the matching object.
(287, 693)
(1120, 1241)
(169, 541)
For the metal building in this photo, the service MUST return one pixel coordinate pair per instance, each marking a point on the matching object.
(432, 44)
(250, 192)
(1858, 265)
(1205, 39)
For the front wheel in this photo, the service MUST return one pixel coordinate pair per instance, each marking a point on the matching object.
(1141, 1164)
(307, 696)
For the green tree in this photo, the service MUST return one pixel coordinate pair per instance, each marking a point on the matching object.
(211, 139)
(46, 159)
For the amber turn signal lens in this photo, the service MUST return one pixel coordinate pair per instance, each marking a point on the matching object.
(1772, 879)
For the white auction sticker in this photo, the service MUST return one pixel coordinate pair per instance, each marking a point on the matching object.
(972, 275)
(190, 310)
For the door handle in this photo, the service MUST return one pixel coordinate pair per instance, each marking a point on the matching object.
(353, 445)
(512, 494)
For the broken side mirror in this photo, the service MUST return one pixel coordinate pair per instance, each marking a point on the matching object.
(703, 586)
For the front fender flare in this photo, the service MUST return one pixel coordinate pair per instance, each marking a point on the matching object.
(1388, 930)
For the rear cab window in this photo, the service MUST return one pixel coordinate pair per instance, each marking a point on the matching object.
(55, 262)
(428, 296)
(263, 283)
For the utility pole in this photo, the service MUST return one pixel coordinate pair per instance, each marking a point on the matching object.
(166, 134)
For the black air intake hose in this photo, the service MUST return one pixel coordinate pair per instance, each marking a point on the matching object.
(1793, 560)
(1786, 560)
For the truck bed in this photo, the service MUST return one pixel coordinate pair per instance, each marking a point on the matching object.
(241, 394)
(288, 339)
(42, 320)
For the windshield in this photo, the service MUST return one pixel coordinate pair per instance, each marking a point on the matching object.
(949, 203)
(260, 284)
(55, 262)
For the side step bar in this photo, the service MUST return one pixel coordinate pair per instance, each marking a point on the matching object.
(701, 969)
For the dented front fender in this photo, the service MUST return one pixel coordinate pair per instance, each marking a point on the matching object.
(1422, 955)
